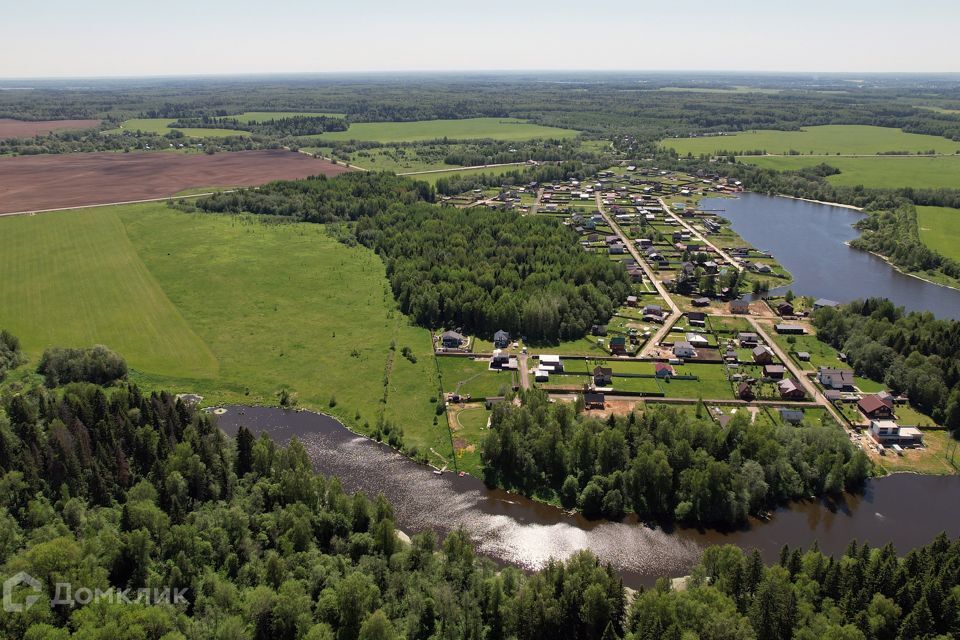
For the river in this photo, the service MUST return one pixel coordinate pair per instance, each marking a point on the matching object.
(908, 510)
(809, 238)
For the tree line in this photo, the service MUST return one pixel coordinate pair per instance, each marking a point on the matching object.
(302, 125)
(912, 353)
(483, 271)
(98, 365)
(11, 355)
(663, 464)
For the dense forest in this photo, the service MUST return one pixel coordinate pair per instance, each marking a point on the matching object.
(302, 125)
(912, 353)
(11, 356)
(98, 364)
(663, 464)
(485, 270)
(347, 197)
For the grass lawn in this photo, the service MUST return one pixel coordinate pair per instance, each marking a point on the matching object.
(469, 427)
(261, 116)
(160, 126)
(877, 172)
(821, 353)
(472, 377)
(940, 456)
(940, 228)
(468, 128)
(227, 307)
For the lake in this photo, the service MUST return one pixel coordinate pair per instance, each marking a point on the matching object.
(907, 510)
(808, 239)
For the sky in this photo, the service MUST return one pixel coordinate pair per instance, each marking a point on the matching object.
(92, 38)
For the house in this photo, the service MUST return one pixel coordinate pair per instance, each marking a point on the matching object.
(785, 309)
(501, 339)
(636, 274)
(663, 370)
(791, 416)
(653, 310)
(551, 363)
(631, 301)
(832, 395)
(745, 391)
(593, 400)
(875, 408)
(602, 376)
(618, 346)
(774, 371)
(500, 360)
(790, 390)
(740, 306)
(790, 329)
(451, 340)
(696, 318)
(820, 303)
(747, 340)
(803, 356)
(762, 354)
(701, 302)
(698, 341)
(684, 350)
(888, 432)
(838, 379)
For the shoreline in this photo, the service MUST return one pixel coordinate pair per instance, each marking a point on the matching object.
(906, 273)
(829, 204)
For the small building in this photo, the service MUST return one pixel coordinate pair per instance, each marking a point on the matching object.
(697, 318)
(551, 363)
(875, 408)
(747, 340)
(745, 391)
(602, 376)
(598, 330)
(790, 390)
(785, 309)
(500, 360)
(762, 354)
(663, 370)
(740, 306)
(631, 301)
(451, 340)
(839, 379)
(888, 432)
(820, 303)
(790, 329)
(618, 345)
(791, 416)
(684, 350)
(593, 400)
(653, 310)
(774, 371)
(803, 356)
(541, 375)
(698, 341)
(501, 339)
(701, 302)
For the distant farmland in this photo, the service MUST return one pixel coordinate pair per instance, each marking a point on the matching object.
(161, 126)
(877, 172)
(28, 128)
(33, 183)
(827, 139)
(470, 128)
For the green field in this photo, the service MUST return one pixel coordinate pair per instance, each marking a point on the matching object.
(433, 176)
(940, 230)
(876, 172)
(227, 307)
(827, 139)
(473, 378)
(470, 128)
(260, 116)
(161, 126)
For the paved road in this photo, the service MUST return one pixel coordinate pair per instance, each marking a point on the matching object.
(632, 248)
(720, 252)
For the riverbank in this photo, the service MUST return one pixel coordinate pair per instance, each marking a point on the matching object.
(829, 204)
(909, 274)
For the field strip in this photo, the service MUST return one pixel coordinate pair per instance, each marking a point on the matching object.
(477, 166)
(111, 204)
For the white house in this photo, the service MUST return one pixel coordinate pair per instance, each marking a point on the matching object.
(684, 350)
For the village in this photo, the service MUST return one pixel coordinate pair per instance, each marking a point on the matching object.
(699, 330)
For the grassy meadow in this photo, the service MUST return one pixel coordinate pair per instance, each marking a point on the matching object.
(433, 176)
(161, 126)
(466, 129)
(228, 307)
(940, 230)
(919, 172)
(826, 139)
